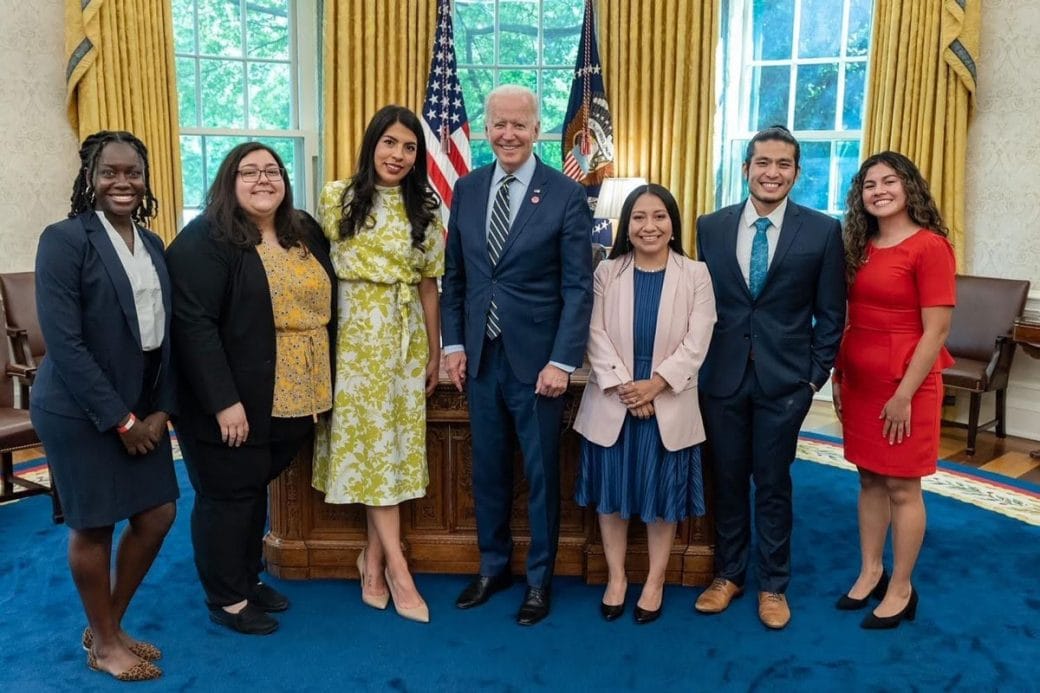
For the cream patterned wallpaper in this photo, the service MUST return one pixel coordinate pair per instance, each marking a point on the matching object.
(39, 147)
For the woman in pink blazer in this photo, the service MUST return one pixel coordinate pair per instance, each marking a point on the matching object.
(652, 320)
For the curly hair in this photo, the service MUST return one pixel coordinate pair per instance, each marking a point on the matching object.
(623, 244)
(420, 201)
(83, 198)
(230, 222)
(861, 226)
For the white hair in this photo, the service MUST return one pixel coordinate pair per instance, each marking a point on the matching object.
(513, 90)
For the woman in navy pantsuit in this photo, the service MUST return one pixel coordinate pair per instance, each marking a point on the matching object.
(105, 392)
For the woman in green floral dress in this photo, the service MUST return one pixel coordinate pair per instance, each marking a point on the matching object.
(388, 250)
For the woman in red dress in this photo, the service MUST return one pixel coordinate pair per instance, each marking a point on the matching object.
(887, 380)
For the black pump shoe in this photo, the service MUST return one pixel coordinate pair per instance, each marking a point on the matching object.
(642, 616)
(847, 603)
(611, 612)
(872, 622)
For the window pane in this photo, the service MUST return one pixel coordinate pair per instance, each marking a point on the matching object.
(223, 93)
(855, 90)
(773, 22)
(193, 176)
(817, 97)
(859, 26)
(820, 31)
(183, 26)
(848, 163)
(475, 32)
(216, 148)
(556, 90)
(270, 96)
(480, 153)
(769, 96)
(187, 90)
(814, 180)
(517, 32)
(220, 28)
(550, 154)
(561, 29)
(267, 26)
(525, 78)
(476, 85)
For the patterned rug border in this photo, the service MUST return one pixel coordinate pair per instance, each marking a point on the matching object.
(950, 480)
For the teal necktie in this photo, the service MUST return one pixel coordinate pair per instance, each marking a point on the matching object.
(759, 257)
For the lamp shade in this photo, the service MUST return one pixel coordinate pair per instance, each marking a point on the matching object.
(612, 194)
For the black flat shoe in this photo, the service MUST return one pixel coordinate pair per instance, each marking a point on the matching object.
(642, 616)
(251, 620)
(481, 589)
(268, 598)
(611, 612)
(847, 603)
(872, 622)
(535, 606)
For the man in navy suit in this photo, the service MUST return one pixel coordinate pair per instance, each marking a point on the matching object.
(515, 308)
(779, 275)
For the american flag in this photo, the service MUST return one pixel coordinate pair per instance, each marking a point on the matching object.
(588, 133)
(444, 118)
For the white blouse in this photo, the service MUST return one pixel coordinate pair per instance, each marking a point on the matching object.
(144, 280)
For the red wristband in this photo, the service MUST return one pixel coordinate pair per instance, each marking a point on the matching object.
(128, 425)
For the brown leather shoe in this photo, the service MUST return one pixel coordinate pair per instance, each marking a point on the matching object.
(717, 597)
(773, 609)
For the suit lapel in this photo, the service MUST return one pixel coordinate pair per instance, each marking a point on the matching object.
(792, 224)
(731, 228)
(666, 308)
(482, 186)
(626, 294)
(98, 237)
(533, 196)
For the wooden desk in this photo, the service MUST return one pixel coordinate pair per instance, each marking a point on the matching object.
(1027, 334)
(311, 539)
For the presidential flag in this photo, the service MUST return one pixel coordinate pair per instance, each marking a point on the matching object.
(588, 134)
(443, 116)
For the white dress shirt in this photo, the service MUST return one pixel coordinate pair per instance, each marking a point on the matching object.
(144, 280)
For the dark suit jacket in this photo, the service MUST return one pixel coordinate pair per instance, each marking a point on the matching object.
(542, 282)
(795, 324)
(224, 327)
(94, 364)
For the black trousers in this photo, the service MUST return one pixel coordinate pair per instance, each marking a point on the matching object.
(230, 512)
(752, 436)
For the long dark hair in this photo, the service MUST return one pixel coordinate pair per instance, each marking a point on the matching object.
(229, 222)
(83, 199)
(420, 201)
(861, 225)
(623, 244)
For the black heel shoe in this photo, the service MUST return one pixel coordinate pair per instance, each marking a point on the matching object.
(642, 616)
(847, 603)
(872, 622)
(611, 612)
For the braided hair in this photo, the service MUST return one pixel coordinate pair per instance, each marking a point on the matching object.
(83, 199)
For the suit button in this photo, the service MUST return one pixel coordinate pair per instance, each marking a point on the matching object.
(746, 337)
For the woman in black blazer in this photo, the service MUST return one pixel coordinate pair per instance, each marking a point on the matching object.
(104, 393)
(253, 306)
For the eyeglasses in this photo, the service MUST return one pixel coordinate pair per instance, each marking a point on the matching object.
(252, 175)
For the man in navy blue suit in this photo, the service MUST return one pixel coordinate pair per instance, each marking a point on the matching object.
(779, 276)
(515, 308)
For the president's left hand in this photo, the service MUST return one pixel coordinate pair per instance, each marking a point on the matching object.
(552, 381)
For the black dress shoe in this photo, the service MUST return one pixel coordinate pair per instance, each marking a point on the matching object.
(847, 603)
(642, 616)
(251, 620)
(535, 606)
(481, 589)
(268, 598)
(611, 613)
(872, 622)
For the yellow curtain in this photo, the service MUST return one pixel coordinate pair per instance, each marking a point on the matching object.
(921, 93)
(376, 52)
(659, 67)
(120, 75)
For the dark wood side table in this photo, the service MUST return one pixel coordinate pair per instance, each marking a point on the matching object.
(1027, 335)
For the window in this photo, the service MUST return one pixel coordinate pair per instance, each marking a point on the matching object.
(533, 43)
(238, 67)
(803, 64)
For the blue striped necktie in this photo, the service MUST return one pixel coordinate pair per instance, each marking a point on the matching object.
(497, 233)
(759, 257)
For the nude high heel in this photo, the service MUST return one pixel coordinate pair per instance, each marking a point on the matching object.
(419, 613)
(376, 601)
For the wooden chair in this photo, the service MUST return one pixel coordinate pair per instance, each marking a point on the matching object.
(18, 298)
(980, 341)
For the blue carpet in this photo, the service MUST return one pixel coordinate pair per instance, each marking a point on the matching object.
(977, 627)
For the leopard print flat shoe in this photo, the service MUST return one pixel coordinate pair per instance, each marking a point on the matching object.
(142, 671)
(144, 650)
